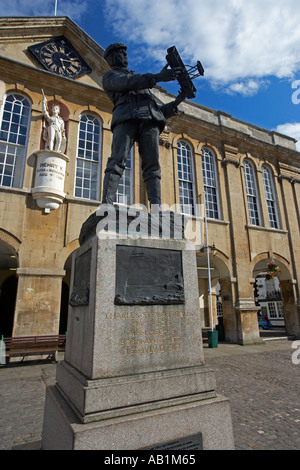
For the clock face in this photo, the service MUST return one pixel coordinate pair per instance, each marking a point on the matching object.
(59, 57)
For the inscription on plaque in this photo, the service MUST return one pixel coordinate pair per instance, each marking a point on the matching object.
(187, 443)
(148, 276)
(148, 333)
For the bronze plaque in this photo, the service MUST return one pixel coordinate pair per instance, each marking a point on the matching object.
(81, 286)
(148, 276)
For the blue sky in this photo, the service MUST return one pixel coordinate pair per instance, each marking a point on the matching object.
(250, 49)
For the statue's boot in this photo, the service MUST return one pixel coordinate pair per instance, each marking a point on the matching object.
(110, 187)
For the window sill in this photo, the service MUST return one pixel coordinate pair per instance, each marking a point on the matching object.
(10, 189)
(217, 221)
(266, 229)
(81, 200)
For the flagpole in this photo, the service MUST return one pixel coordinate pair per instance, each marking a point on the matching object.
(55, 9)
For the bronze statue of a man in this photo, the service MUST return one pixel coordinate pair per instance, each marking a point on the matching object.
(136, 118)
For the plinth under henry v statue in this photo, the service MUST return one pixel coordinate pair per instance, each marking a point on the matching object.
(134, 376)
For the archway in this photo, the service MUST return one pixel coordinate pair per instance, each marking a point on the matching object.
(65, 290)
(63, 318)
(8, 288)
(267, 295)
(276, 297)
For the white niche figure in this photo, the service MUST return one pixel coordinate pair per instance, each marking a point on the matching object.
(54, 132)
(48, 190)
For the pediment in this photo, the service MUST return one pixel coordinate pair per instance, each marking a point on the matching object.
(18, 36)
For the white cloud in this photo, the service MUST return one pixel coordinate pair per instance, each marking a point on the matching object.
(291, 129)
(247, 87)
(235, 40)
(72, 8)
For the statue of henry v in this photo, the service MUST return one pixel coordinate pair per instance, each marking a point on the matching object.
(54, 133)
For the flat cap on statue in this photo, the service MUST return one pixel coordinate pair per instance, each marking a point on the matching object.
(113, 47)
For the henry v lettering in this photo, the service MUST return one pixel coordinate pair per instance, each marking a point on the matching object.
(51, 169)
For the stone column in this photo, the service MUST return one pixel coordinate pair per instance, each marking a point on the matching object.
(229, 314)
(290, 308)
(37, 309)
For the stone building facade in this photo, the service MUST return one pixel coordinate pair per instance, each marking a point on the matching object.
(250, 177)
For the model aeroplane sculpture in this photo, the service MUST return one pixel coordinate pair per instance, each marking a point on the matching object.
(188, 74)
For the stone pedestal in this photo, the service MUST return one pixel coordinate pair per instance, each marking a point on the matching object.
(48, 190)
(133, 376)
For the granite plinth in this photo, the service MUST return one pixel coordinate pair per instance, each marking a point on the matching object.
(108, 340)
(133, 376)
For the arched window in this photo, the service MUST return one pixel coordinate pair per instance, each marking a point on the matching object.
(15, 123)
(210, 181)
(270, 197)
(252, 194)
(186, 178)
(125, 188)
(87, 179)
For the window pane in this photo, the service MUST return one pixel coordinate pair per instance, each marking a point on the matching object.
(3, 136)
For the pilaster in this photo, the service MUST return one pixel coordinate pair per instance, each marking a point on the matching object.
(38, 301)
(245, 309)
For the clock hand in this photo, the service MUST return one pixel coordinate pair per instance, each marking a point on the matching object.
(63, 66)
(69, 60)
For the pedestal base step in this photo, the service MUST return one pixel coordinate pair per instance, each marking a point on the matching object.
(209, 418)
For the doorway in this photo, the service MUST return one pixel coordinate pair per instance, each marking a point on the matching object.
(8, 289)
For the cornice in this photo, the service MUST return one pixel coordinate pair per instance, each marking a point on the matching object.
(289, 178)
(289, 173)
(244, 142)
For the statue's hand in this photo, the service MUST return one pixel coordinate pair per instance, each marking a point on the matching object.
(181, 97)
(167, 75)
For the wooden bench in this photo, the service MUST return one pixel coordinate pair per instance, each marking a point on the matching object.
(33, 345)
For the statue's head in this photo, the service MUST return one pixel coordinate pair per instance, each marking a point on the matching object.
(115, 55)
(56, 109)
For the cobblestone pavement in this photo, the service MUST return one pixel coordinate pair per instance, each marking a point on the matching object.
(22, 395)
(261, 382)
(264, 393)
